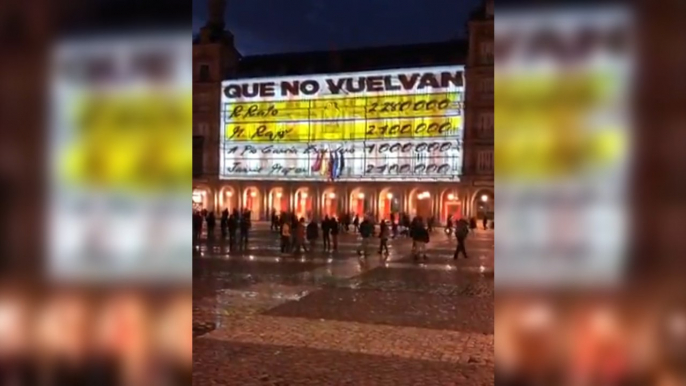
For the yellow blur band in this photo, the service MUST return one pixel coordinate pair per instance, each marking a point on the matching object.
(544, 130)
(130, 142)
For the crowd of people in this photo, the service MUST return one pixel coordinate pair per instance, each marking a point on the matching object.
(298, 235)
(230, 224)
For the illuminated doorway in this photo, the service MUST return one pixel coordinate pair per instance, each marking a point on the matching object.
(303, 203)
(330, 203)
(251, 202)
(228, 199)
(452, 206)
(202, 198)
(389, 203)
(278, 201)
(420, 203)
(358, 202)
(483, 203)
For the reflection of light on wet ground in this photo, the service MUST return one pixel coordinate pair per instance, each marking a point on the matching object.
(482, 269)
(329, 260)
(251, 257)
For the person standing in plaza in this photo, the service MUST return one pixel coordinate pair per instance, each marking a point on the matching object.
(312, 234)
(294, 230)
(232, 225)
(300, 234)
(485, 222)
(326, 233)
(356, 223)
(420, 237)
(211, 222)
(224, 223)
(285, 237)
(366, 229)
(275, 221)
(384, 232)
(197, 225)
(461, 232)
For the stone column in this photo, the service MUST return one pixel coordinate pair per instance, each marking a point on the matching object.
(317, 202)
(239, 198)
(266, 210)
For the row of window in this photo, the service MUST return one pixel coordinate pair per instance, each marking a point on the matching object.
(484, 161)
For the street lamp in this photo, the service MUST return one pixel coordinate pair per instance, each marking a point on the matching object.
(484, 198)
(278, 194)
(229, 193)
(303, 195)
(389, 196)
(360, 196)
(451, 196)
(253, 194)
(332, 195)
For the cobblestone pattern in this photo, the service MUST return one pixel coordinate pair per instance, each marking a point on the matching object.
(262, 318)
(402, 342)
(412, 309)
(251, 364)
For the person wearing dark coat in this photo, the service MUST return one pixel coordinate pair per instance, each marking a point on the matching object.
(211, 222)
(312, 234)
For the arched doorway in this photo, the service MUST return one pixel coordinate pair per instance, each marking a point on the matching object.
(278, 201)
(303, 203)
(228, 198)
(330, 202)
(389, 203)
(358, 202)
(251, 202)
(420, 202)
(202, 198)
(451, 205)
(483, 203)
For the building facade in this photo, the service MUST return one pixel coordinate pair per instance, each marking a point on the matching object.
(216, 60)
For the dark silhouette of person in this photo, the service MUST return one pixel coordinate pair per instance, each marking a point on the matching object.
(211, 222)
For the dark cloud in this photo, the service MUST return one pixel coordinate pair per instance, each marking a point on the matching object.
(269, 26)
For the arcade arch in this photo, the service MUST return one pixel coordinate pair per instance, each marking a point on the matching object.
(228, 199)
(277, 200)
(330, 203)
(202, 198)
(359, 202)
(390, 202)
(303, 203)
(252, 202)
(420, 203)
(483, 204)
(451, 205)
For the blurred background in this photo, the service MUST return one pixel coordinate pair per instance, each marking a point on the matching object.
(95, 168)
(589, 262)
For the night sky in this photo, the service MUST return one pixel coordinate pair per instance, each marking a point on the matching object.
(275, 26)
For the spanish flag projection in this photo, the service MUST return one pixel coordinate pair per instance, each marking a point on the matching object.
(396, 125)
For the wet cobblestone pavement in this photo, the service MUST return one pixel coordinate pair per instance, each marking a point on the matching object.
(266, 318)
